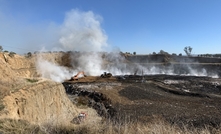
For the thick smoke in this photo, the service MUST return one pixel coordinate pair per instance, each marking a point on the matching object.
(80, 31)
(90, 63)
(52, 71)
(82, 34)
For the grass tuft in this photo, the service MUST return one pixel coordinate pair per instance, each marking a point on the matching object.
(32, 80)
(1, 106)
(157, 126)
(9, 126)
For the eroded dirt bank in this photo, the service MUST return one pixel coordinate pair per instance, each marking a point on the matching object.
(40, 103)
(181, 100)
(26, 96)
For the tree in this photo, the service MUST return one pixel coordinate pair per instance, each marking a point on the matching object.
(188, 50)
(163, 52)
(29, 54)
(134, 53)
(11, 54)
(1, 48)
(154, 53)
(174, 54)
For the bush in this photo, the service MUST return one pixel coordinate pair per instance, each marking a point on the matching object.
(32, 80)
(29, 54)
(10, 126)
(174, 54)
(12, 54)
(1, 48)
(82, 101)
(1, 107)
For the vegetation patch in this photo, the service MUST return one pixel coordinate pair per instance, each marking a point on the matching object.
(82, 101)
(9, 126)
(1, 106)
(108, 127)
(12, 54)
(32, 80)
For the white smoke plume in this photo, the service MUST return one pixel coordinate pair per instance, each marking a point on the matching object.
(90, 63)
(51, 70)
(81, 31)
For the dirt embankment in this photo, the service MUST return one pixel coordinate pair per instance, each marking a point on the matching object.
(41, 102)
(23, 66)
(28, 97)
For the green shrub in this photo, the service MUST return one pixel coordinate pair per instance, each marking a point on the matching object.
(1, 107)
(29, 54)
(11, 54)
(32, 80)
(82, 101)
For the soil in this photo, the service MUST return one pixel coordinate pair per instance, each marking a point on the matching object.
(190, 100)
(178, 99)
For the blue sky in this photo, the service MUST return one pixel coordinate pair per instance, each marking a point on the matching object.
(143, 26)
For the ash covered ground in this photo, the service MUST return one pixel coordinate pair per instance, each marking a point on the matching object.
(190, 100)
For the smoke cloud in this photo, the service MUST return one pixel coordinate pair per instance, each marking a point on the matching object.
(52, 71)
(81, 31)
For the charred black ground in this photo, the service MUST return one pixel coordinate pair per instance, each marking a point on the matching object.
(190, 100)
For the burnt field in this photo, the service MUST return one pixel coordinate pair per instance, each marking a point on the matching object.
(190, 100)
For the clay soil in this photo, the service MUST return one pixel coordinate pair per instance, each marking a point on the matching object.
(190, 100)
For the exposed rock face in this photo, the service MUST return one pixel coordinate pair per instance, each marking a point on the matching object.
(44, 102)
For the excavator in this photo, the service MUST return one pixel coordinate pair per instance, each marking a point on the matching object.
(80, 74)
(106, 75)
(77, 76)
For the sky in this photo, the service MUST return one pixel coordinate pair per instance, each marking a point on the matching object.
(141, 26)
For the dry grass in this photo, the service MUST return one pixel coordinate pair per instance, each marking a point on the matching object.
(32, 80)
(7, 87)
(156, 127)
(8, 126)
